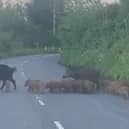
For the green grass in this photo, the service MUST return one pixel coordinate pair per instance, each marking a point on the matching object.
(114, 61)
(82, 57)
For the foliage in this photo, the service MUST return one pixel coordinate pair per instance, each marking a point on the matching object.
(11, 29)
(96, 35)
(25, 27)
(40, 13)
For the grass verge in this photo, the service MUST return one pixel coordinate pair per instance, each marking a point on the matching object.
(28, 51)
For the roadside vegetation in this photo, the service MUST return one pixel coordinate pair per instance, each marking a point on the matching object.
(26, 28)
(87, 33)
(96, 35)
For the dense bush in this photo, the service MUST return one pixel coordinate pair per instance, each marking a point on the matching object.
(97, 36)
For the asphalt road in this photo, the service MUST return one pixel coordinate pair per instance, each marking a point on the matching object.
(20, 110)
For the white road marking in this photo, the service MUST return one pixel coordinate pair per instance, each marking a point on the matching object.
(41, 103)
(58, 125)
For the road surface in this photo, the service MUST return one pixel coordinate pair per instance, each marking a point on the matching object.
(20, 110)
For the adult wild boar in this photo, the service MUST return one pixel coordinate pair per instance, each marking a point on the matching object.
(91, 74)
(6, 73)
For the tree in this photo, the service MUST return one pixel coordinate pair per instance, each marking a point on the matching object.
(13, 28)
(39, 13)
